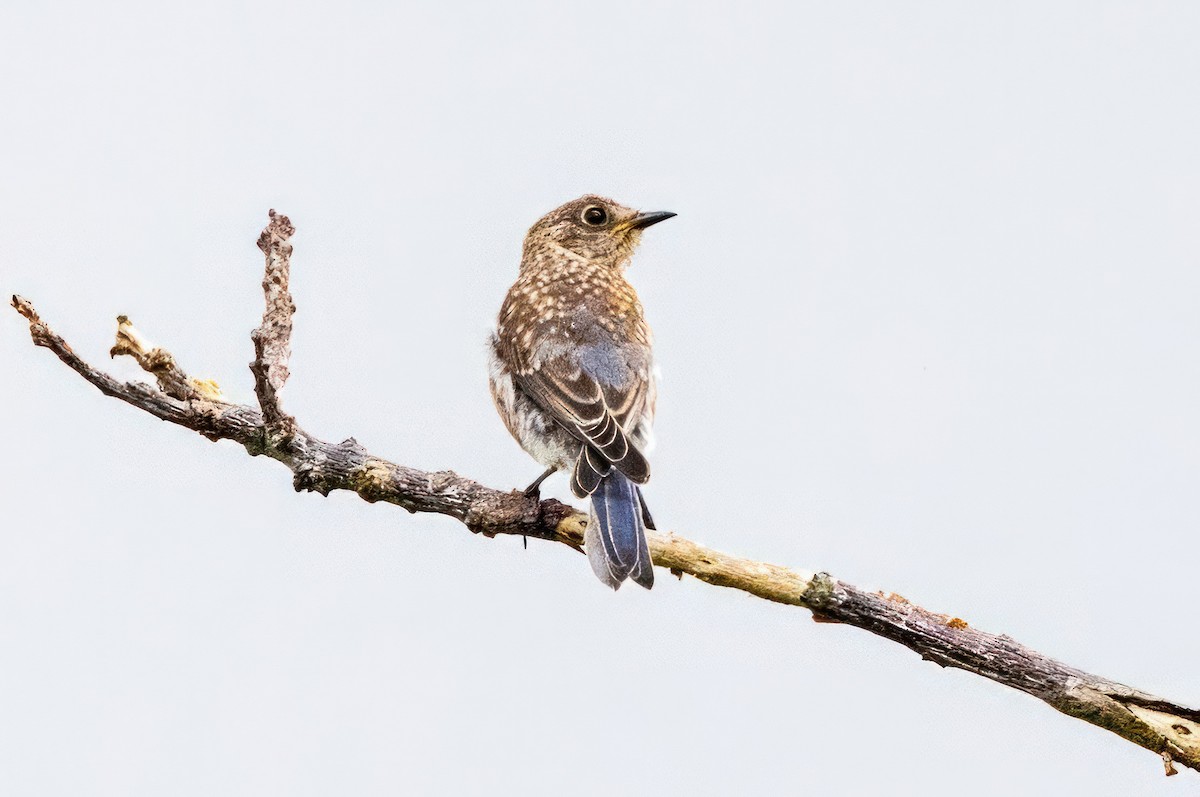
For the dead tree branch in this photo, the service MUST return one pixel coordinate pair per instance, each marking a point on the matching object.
(272, 339)
(1161, 726)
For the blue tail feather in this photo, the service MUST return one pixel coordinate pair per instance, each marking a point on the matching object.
(616, 533)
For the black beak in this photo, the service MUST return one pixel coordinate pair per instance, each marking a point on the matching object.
(644, 220)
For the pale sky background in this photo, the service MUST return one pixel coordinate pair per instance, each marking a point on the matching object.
(927, 320)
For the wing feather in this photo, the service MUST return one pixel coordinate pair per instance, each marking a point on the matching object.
(577, 402)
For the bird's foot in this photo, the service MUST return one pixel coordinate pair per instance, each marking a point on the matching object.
(534, 490)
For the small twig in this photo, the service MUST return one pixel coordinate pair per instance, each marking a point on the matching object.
(272, 339)
(159, 362)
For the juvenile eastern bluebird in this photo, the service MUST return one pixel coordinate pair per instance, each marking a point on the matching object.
(572, 373)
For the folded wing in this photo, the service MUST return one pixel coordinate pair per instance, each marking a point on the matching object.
(579, 403)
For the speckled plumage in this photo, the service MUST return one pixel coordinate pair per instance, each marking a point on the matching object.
(572, 370)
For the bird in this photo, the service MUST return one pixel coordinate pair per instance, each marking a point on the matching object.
(572, 373)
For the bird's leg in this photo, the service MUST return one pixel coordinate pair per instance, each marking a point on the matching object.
(534, 490)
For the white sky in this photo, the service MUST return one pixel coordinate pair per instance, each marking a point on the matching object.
(927, 320)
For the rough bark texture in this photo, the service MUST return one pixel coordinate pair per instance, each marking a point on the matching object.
(1168, 729)
(272, 339)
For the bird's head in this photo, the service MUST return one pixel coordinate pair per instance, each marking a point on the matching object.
(594, 228)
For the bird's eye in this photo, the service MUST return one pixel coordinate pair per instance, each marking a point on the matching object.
(595, 216)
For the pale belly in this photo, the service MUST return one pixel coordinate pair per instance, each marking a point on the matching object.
(542, 438)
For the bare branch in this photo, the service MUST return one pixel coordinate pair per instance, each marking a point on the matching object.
(272, 339)
(159, 362)
(1166, 728)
